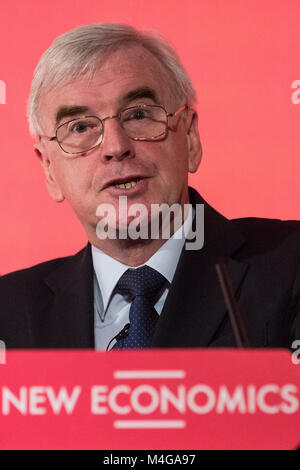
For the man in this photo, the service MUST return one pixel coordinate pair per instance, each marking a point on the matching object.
(111, 112)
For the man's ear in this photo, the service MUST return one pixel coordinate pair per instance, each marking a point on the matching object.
(51, 183)
(194, 143)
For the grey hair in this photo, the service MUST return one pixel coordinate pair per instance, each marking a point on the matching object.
(79, 52)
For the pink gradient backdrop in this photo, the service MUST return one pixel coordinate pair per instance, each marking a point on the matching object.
(242, 55)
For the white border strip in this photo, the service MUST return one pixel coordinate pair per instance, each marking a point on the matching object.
(149, 374)
(150, 424)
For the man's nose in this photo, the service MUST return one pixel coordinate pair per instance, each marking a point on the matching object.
(115, 144)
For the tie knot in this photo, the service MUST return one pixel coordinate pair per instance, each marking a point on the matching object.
(144, 281)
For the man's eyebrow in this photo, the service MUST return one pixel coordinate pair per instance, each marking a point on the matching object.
(142, 92)
(69, 111)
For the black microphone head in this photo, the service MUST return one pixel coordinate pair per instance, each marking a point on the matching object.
(123, 333)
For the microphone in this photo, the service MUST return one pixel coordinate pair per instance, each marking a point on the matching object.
(235, 315)
(121, 335)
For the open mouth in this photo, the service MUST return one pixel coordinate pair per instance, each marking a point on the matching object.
(127, 184)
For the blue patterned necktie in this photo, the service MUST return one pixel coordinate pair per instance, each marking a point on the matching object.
(142, 286)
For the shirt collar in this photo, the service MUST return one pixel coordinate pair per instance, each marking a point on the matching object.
(108, 270)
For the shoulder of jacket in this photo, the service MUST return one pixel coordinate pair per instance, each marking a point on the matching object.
(37, 272)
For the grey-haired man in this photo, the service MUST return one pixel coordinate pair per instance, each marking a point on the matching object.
(112, 115)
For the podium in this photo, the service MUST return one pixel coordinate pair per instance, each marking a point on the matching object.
(151, 399)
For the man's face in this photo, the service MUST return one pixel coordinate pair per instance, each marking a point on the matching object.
(162, 166)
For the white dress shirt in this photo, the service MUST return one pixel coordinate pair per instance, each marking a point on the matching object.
(111, 309)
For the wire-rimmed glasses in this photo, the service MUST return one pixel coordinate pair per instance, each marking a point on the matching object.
(140, 122)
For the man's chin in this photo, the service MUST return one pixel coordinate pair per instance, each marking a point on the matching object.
(133, 228)
(129, 228)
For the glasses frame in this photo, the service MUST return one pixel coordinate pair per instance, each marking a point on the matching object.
(118, 116)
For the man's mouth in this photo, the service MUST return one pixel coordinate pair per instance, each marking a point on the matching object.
(127, 184)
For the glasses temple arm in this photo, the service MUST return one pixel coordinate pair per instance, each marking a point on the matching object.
(185, 106)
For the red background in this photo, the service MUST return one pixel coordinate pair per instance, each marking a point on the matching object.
(242, 55)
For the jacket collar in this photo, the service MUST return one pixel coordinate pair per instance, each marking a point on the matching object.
(72, 315)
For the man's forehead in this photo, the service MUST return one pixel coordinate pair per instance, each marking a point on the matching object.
(134, 58)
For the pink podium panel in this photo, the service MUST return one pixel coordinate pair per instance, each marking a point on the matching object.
(160, 399)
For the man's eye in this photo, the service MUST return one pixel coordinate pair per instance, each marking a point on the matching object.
(138, 114)
(80, 127)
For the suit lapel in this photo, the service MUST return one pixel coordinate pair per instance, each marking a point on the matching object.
(194, 308)
(70, 321)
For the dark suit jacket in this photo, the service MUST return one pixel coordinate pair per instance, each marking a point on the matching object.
(51, 305)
